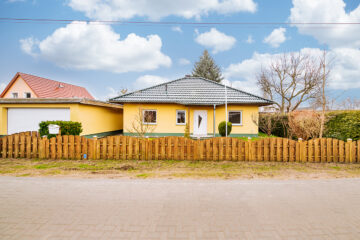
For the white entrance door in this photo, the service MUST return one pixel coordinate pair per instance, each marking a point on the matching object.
(200, 122)
(28, 119)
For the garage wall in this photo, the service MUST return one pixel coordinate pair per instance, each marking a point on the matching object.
(96, 119)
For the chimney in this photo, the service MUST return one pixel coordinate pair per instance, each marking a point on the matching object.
(187, 75)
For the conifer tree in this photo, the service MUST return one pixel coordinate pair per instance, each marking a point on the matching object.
(207, 68)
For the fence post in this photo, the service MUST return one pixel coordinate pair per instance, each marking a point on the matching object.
(350, 150)
(301, 150)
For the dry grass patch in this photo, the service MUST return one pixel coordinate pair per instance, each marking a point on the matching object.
(176, 169)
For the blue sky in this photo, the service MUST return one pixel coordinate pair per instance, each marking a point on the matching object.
(106, 58)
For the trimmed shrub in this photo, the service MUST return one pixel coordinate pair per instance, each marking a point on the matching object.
(304, 124)
(66, 128)
(343, 125)
(222, 129)
(277, 123)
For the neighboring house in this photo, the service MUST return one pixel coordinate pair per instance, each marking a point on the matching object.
(28, 100)
(29, 86)
(97, 118)
(191, 100)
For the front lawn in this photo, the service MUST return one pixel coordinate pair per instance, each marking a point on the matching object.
(175, 169)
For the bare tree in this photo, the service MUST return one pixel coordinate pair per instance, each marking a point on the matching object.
(290, 80)
(350, 104)
(322, 98)
(139, 127)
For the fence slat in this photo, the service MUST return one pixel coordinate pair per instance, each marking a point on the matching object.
(65, 140)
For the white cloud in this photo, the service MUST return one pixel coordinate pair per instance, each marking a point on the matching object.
(327, 11)
(148, 81)
(216, 40)
(98, 47)
(28, 45)
(155, 10)
(177, 29)
(345, 72)
(184, 61)
(250, 40)
(276, 37)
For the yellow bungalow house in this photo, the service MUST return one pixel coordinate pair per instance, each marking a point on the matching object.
(198, 102)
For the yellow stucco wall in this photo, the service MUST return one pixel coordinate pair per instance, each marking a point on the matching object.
(166, 117)
(20, 87)
(94, 119)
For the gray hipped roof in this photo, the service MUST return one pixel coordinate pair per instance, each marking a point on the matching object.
(191, 91)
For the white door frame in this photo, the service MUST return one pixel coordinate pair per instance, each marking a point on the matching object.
(200, 122)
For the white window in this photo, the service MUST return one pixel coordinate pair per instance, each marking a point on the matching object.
(27, 95)
(180, 117)
(235, 117)
(15, 95)
(149, 116)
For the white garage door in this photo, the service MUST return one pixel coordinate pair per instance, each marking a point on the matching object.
(28, 119)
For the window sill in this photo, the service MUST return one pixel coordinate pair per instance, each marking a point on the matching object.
(180, 124)
(237, 124)
(150, 123)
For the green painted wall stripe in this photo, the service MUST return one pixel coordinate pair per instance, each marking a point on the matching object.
(182, 134)
(104, 134)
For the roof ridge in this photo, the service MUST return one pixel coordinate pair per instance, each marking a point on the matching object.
(51, 80)
(234, 88)
(158, 85)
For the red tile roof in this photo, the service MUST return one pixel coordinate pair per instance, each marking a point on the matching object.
(46, 88)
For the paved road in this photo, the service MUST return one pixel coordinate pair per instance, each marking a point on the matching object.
(53, 208)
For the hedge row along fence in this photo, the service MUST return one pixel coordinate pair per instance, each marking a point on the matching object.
(30, 145)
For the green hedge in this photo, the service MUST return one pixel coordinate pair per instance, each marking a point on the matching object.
(343, 125)
(66, 128)
(279, 123)
(222, 129)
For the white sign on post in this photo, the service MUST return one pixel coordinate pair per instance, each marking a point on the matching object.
(54, 129)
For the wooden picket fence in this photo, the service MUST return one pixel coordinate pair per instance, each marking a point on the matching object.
(30, 145)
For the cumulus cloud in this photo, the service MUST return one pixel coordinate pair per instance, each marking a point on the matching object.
(177, 29)
(155, 10)
(28, 45)
(148, 81)
(327, 11)
(344, 75)
(216, 40)
(184, 61)
(98, 47)
(276, 37)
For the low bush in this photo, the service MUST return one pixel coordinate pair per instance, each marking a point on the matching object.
(222, 129)
(343, 125)
(274, 124)
(304, 124)
(66, 128)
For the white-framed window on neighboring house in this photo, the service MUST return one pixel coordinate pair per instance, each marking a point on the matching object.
(149, 116)
(27, 95)
(180, 117)
(235, 117)
(15, 95)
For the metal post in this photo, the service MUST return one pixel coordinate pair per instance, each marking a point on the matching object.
(226, 113)
(214, 119)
